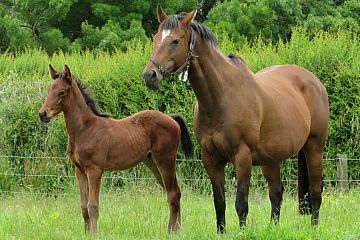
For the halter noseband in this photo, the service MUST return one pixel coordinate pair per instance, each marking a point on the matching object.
(183, 68)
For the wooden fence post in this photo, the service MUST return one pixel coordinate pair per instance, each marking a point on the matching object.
(342, 172)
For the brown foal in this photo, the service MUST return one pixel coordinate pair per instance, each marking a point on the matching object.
(245, 118)
(98, 143)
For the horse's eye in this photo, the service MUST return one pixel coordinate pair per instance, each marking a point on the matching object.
(175, 42)
(62, 93)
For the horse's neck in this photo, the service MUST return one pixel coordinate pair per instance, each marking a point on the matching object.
(212, 75)
(78, 113)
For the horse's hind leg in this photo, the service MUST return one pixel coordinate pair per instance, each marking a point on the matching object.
(154, 169)
(272, 176)
(84, 194)
(166, 166)
(303, 184)
(313, 150)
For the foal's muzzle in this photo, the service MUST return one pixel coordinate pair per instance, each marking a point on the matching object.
(43, 116)
(152, 79)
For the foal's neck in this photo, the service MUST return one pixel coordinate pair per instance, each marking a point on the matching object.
(78, 115)
(213, 76)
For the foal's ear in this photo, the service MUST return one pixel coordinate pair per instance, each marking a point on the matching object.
(67, 74)
(189, 18)
(161, 15)
(52, 72)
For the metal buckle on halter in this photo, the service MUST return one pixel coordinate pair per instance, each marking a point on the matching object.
(183, 69)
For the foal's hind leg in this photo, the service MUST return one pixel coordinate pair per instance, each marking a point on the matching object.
(314, 158)
(84, 194)
(272, 176)
(154, 169)
(166, 166)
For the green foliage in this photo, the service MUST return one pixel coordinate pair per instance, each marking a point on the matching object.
(53, 40)
(240, 20)
(274, 19)
(115, 81)
(110, 37)
(13, 36)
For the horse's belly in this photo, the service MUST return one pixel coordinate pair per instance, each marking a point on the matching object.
(282, 146)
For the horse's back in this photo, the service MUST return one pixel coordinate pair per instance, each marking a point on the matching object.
(295, 81)
(295, 106)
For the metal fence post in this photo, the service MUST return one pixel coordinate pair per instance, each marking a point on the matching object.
(342, 172)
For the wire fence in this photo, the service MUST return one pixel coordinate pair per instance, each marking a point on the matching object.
(46, 177)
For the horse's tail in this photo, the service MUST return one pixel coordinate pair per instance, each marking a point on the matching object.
(303, 184)
(186, 142)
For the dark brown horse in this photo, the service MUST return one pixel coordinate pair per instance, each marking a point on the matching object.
(245, 118)
(98, 143)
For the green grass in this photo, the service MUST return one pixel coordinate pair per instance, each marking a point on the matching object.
(135, 213)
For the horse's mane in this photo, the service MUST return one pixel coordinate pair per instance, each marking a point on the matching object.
(173, 22)
(90, 101)
(236, 59)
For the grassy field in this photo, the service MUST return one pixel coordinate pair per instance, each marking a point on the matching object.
(135, 213)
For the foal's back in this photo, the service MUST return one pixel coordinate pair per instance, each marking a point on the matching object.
(121, 144)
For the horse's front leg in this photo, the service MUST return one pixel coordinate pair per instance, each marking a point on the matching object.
(243, 163)
(216, 174)
(84, 196)
(94, 180)
(272, 176)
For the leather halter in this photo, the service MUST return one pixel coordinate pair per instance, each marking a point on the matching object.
(183, 68)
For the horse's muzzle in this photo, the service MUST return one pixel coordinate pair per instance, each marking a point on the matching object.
(151, 79)
(43, 116)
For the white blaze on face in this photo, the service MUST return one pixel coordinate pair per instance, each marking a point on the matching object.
(164, 34)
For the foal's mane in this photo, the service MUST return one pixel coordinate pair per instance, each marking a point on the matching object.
(90, 101)
(173, 22)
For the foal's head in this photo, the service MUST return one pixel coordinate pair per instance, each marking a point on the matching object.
(58, 94)
(171, 47)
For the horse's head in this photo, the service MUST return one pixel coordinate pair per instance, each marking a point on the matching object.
(172, 50)
(58, 94)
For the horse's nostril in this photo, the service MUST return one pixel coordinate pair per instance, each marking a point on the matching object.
(149, 75)
(42, 115)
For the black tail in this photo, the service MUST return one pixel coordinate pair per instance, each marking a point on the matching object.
(303, 185)
(186, 142)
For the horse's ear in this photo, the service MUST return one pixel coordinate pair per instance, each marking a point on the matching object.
(189, 18)
(161, 15)
(52, 72)
(67, 74)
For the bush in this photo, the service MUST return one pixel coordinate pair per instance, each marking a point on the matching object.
(116, 82)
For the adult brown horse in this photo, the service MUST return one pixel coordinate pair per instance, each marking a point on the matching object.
(245, 118)
(98, 143)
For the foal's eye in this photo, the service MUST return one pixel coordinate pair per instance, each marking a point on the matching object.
(62, 93)
(175, 42)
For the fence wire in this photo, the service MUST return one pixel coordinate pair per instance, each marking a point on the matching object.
(116, 178)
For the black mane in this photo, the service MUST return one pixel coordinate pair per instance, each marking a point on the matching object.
(173, 22)
(90, 101)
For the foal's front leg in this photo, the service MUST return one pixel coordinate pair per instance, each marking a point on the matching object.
(94, 180)
(243, 163)
(84, 195)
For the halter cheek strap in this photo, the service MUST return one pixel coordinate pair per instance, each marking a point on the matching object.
(183, 68)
